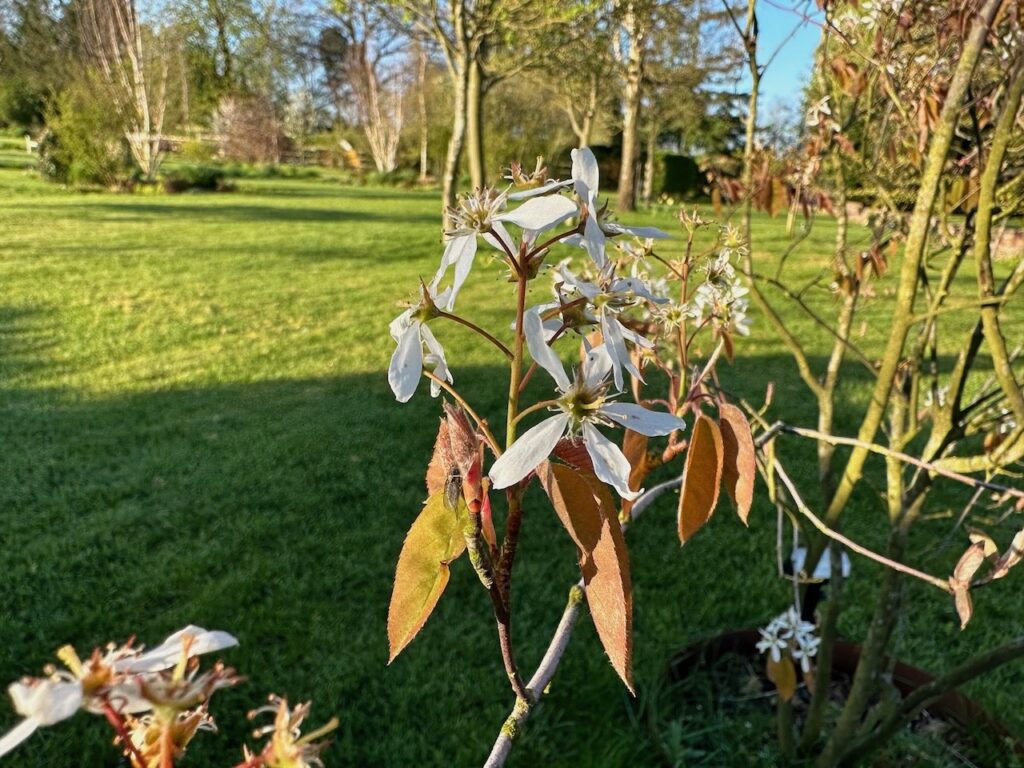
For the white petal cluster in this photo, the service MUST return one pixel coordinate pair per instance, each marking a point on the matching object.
(788, 634)
(486, 214)
(584, 403)
(721, 299)
(417, 348)
(115, 678)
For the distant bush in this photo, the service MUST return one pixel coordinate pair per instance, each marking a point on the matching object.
(196, 151)
(248, 130)
(400, 177)
(85, 144)
(208, 178)
(22, 106)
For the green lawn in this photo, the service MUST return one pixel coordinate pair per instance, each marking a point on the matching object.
(197, 427)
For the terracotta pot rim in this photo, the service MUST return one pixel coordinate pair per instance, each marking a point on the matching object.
(953, 706)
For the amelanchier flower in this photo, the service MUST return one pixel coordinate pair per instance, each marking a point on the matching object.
(410, 330)
(287, 746)
(111, 679)
(605, 300)
(483, 214)
(788, 633)
(584, 404)
(586, 178)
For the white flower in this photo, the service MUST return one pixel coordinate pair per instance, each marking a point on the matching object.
(788, 633)
(482, 214)
(583, 405)
(772, 643)
(191, 641)
(112, 677)
(41, 702)
(585, 178)
(606, 300)
(410, 330)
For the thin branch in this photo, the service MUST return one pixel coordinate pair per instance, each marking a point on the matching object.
(557, 646)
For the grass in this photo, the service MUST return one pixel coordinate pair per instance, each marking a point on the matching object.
(198, 428)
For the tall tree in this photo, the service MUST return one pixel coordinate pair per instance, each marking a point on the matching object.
(372, 71)
(134, 66)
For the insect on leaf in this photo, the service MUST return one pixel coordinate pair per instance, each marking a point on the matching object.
(433, 542)
(587, 510)
(702, 477)
(738, 461)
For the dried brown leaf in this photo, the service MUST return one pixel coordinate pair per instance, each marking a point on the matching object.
(739, 464)
(702, 477)
(587, 510)
(634, 448)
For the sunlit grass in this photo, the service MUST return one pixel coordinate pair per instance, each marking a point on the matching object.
(197, 427)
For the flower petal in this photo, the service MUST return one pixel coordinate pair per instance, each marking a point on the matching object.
(501, 234)
(46, 700)
(17, 734)
(642, 420)
(542, 353)
(540, 213)
(551, 186)
(585, 173)
(169, 652)
(596, 365)
(439, 360)
(636, 286)
(614, 228)
(453, 252)
(406, 364)
(610, 465)
(587, 289)
(532, 447)
(463, 265)
(593, 238)
(614, 340)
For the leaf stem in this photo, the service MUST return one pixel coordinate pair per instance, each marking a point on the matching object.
(481, 423)
(478, 330)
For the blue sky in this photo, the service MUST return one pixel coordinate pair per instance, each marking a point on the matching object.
(784, 80)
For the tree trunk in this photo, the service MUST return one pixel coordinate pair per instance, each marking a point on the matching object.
(450, 181)
(421, 90)
(475, 126)
(631, 111)
(648, 184)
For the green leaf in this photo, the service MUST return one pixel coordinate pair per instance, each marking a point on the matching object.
(433, 542)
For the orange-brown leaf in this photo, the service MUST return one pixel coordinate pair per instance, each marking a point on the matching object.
(783, 674)
(739, 464)
(634, 448)
(433, 542)
(587, 510)
(702, 477)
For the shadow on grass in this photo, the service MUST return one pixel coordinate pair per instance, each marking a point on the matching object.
(276, 510)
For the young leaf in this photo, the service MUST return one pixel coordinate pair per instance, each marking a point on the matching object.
(783, 674)
(433, 542)
(702, 476)
(962, 600)
(738, 464)
(587, 510)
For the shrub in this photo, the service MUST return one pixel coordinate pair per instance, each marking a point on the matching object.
(209, 178)
(85, 143)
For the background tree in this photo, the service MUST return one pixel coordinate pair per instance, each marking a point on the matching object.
(134, 65)
(368, 69)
